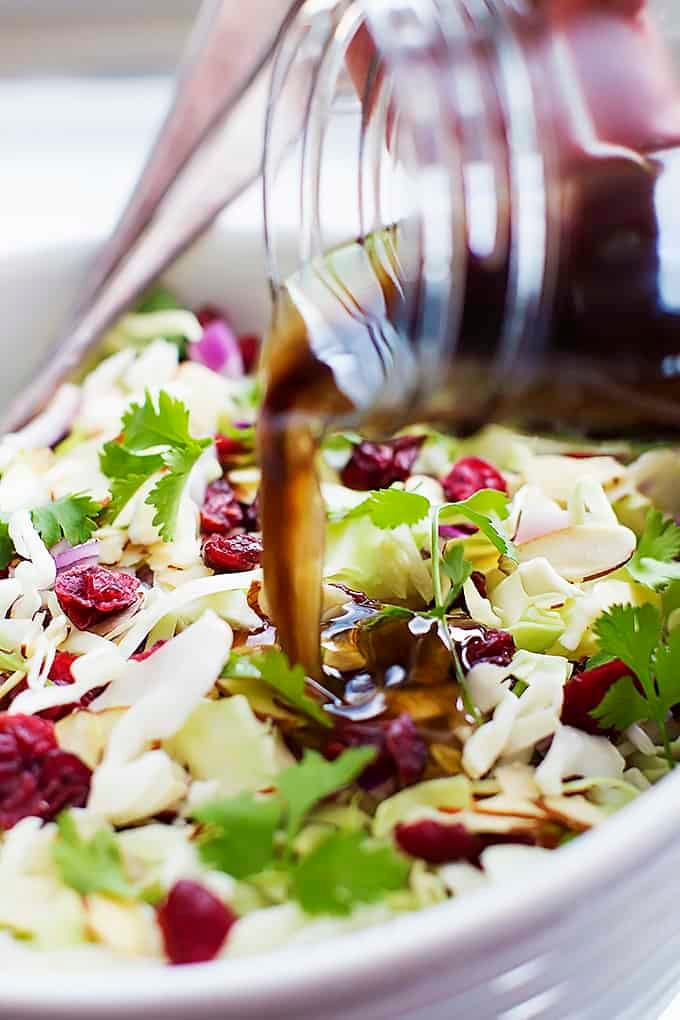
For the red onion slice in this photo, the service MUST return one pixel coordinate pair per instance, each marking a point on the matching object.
(66, 555)
(218, 349)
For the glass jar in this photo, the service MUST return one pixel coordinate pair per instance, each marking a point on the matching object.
(477, 215)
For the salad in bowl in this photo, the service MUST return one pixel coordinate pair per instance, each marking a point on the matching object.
(499, 635)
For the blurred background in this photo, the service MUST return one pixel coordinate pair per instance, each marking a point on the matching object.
(83, 87)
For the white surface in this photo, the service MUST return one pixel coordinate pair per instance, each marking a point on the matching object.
(597, 937)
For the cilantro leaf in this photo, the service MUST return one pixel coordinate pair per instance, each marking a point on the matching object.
(305, 784)
(653, 563)
(147, 425)
(240, 835)
(388, 509)
(289, 682)
(154, 436)
(90, 865)
(631, 633)
(6, 545)
(126, 472)
(485, 509)
(621, 706)
(634, 635)
(666, 665)
(597, 660)
(71, 517)
(346, 869)
(457, 569)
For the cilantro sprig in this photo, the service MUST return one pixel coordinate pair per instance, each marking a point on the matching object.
(71, 517)
(90, 865)
(654, 562)
(154, 436)
(387, 509)
(635, 635)
(248, 835)
(289, 682)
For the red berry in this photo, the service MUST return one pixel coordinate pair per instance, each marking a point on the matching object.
(90, 594)
(468, 476)
(438, 842)
(221, 512)
(496, 646)
(229, 449)
(36, 777)
(194, 923)
(584, 692)
(207, 314)
(378, 465)
(407, 748)
(250, 350)
(231, 555)
(60, 671)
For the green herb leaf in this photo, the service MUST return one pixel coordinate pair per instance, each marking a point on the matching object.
(634, 635)
(456, 568)
(7, 551)
(346, 869)
(289, 682)
(631, 633)
(485, 509)
(239, 839)
(654, 561)
(126, 472)
(90, 865)
(161, 433)
(386, 615)
(597, 660)
(314, 778)
(621, 706)
(666, 667)
(388, 509)
(71, 517)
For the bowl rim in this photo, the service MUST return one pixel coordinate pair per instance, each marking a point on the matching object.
(372, 960)
(392, 953)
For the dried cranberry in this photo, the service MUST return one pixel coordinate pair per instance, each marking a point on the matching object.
(479, 581)
(468, 476)
(378, 465)
(229, 449)
(194, 923)
(406, 748)
(496, 646)
(36, 776)
(89, 594)
(220, 512)
(60, 670)
(207, 314)
(251, 515)
(230, 555)
(584, 692)
(438, 842)
(402, 752)
(250, 350)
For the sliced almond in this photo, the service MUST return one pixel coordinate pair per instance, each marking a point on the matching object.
(584, 551)
(503, 804)
(577, 812)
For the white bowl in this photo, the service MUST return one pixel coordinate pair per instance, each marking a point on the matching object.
(594, 935)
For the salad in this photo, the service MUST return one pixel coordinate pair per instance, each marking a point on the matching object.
(501, 662)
